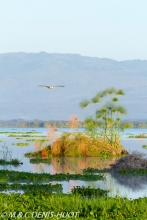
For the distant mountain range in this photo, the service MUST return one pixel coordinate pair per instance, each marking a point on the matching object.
(83, 77)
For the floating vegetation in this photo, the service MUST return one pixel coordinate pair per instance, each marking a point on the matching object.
(143, 135)
(39, 154)
(95, 170)
(40, 160)
(13, 176)
(31, 187)
(45, 152)
(22, 144)
(33, 154)
(129, 133)
(25, 135)
(17, 132)
(11, 162)
(90, 192)
(33, 140)
(145, 146)
(1, 141)
(134, 171)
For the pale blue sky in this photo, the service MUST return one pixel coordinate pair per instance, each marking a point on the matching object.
(115, 29)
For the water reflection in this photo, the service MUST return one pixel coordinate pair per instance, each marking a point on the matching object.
(123, 185)
(129, 186)
(74, 165)
(132, 182)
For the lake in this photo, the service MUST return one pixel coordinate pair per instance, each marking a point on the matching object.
(124, 186)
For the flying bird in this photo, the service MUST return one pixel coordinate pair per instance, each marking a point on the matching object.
(50, 87)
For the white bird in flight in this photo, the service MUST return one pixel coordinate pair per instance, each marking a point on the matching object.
(50, 87)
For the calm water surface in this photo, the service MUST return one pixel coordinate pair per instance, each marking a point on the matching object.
(131, 187)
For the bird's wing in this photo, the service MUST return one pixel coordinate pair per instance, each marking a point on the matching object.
(44, 85)
(50, 87)
(59, 86)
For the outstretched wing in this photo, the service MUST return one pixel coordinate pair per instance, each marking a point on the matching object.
(51, 87)
(44, 86)
(59, 86)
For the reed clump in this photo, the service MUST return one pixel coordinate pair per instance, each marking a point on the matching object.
(75, 144)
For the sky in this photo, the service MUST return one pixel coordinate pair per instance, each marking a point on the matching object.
(115, 29)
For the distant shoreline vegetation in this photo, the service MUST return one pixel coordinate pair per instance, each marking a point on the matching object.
(59, 124)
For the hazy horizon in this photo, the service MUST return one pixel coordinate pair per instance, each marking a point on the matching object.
(83, 77)
(98, 28)
(85, 45)
(71, 54)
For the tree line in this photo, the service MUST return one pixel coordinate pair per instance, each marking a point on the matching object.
(59, 124)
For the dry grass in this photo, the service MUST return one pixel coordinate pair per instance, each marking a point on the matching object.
(73, 122)
(38, 146)
(51, 132)
(79, 144)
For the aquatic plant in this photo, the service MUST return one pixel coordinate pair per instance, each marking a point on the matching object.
(33, 140)
(87, 191)
(22, 144)
(145, 146)
(35, 154)
(11, 162)
(40, 160)
(35, 205)
(31, 187)
(95, 170)
(5, 153)
(134, 171)
(41, 151)
(76, 144)
(143, 135)
(106, 122)
(26, 135)
(41, 177)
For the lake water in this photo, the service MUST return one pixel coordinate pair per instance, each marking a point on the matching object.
(131, 187)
